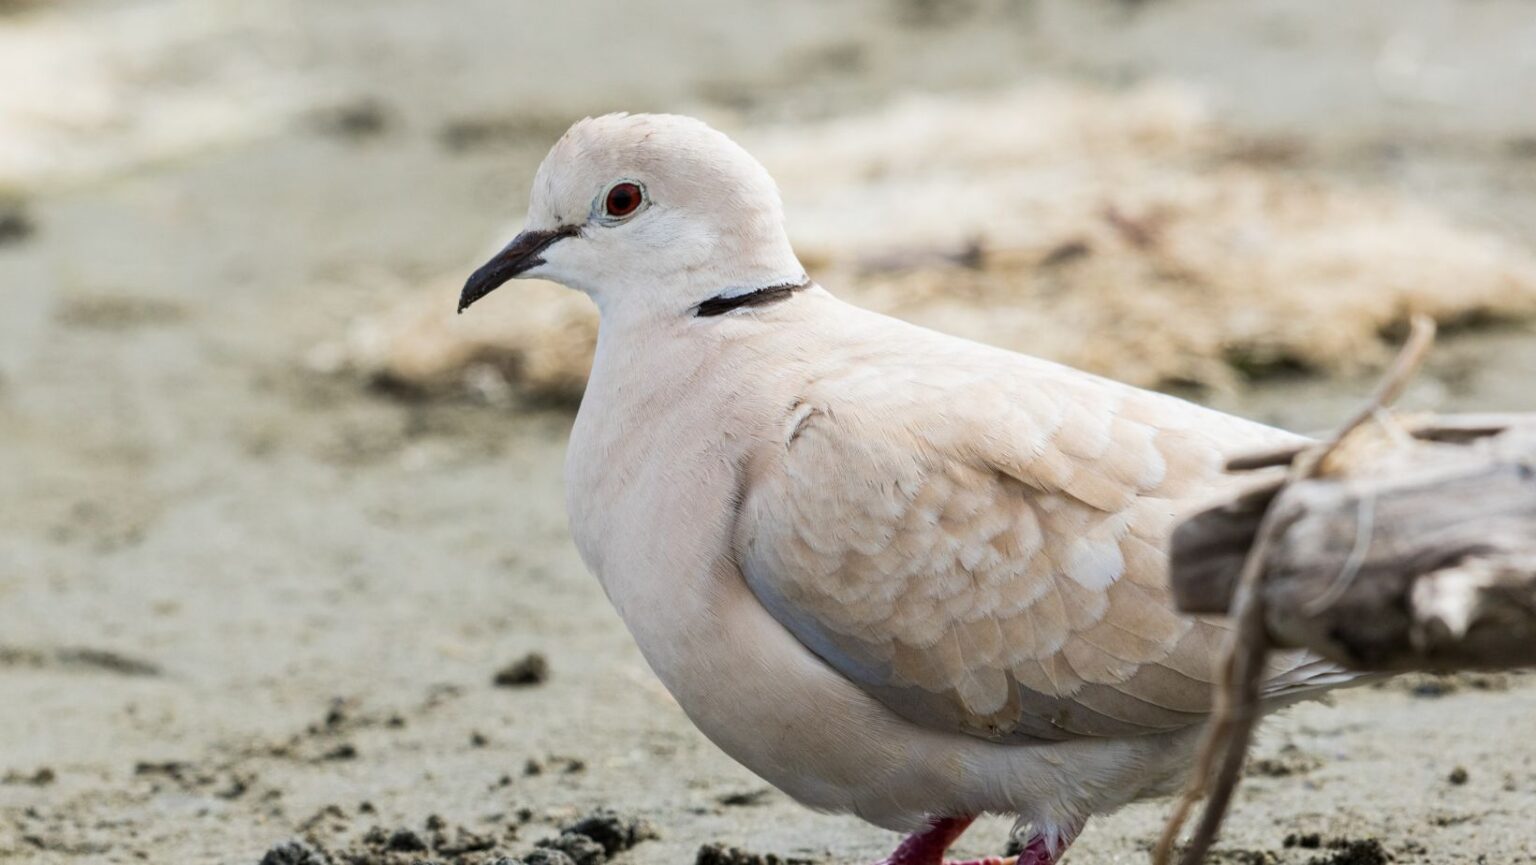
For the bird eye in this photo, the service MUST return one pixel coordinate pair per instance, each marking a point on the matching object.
(623, 199)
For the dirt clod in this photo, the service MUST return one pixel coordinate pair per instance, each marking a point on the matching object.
(581, 849)
(406, 841)
(1308, 841)
(461, 841)
(439, 842)
(720, 854)
(1348, 851)
(40, 778)
(548, 856)
(344, 751)
(1290, 761)
(332, 813)
(1458, 776)
(531, 669)
(614, 832)
(294, 853)
(1244, 857)
(554, 763)
(174, 769)
(745, 797)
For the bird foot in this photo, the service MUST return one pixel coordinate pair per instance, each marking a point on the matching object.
(990, 860)
(1035, 852)
(927, 848)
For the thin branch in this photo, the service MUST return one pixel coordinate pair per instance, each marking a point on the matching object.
(1237, 700)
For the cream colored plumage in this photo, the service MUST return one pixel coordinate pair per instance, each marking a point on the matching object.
(894, 572)
(978, 539)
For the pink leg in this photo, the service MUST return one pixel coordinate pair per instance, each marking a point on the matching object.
(1036, 852)
(928, 846)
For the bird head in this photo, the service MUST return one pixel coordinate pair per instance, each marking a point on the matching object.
(648, 212)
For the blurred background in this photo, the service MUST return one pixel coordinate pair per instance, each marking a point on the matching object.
(282, 543)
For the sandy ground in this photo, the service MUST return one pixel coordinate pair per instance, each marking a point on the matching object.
(241, 601)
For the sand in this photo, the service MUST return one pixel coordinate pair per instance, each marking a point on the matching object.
(242, 600)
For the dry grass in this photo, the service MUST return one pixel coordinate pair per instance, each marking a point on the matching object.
(536, 341)
(1125, 234)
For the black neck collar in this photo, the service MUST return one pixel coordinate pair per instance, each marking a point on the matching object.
(720, 304)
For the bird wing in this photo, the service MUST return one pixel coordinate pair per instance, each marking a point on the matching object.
(980, 544)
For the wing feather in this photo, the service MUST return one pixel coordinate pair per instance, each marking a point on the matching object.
(992, 560)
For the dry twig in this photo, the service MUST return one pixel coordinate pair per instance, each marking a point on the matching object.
(1225, 746)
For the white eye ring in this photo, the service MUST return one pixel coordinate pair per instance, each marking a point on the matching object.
(620, 201)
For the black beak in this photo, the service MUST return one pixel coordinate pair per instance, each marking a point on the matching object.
(521, 254)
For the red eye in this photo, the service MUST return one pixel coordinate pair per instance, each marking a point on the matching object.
(623, 199)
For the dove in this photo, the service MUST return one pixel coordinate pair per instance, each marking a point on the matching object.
(895, 573)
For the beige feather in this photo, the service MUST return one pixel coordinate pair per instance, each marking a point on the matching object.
(949, 554)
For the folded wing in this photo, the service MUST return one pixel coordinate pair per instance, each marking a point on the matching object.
(981, 545)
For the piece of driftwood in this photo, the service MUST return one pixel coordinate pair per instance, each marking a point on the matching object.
(1405, 552)
(1386, 546)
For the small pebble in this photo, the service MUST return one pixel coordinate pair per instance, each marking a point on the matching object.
(531, 669)
(406, 841)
